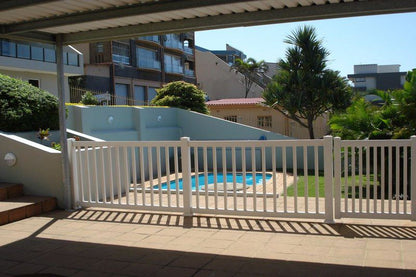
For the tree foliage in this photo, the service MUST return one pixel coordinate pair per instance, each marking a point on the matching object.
(252, 71)
(89, 99)
(24, 107)
(304, 88)
(394, 119)
(181, 95)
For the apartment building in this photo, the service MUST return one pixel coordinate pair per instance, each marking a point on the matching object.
(373, 76)
(133, 69)
(36, 63)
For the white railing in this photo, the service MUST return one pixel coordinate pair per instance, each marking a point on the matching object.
(284, 178)
(375, 178)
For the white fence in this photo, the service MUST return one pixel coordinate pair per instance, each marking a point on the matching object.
(325, 178)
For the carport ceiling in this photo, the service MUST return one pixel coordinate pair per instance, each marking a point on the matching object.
(86, 20)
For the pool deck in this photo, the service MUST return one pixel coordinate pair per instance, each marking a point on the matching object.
(100, 242)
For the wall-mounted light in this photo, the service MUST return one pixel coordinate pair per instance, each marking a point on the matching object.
(10, 159)
(159, 118)
(110, 119)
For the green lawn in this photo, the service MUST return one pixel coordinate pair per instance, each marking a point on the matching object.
(321, 188)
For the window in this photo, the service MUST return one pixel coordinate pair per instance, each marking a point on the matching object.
(23, 51)
(50, 55)
(37, 53)
(34, 82)
(99, 47)
(150, 38)
(173, 64)
(122, 91)
(147, 58)
(121, 52)
(173, 41)
(139, 95)
(232, 118)
(151, 93)
(8, 48)
(360, 80)
(73, 59)
(264, 121)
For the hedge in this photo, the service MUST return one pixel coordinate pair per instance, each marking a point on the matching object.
(24, 107)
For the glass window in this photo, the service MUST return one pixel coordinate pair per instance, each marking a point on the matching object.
(173, 41)
(99, 47)
(73, 59)
(139, 95)
(150, 38)
(34, 82)
(151, 93)
(121, 94)
(232, 118)
(50, 55)
(173, 64)
(23, 51)
(264, 121)
(121, 52)
(37, 53)
(147, 58)
(8, 48)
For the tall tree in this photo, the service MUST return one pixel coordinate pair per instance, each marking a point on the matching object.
(304, 88)
(252, 70)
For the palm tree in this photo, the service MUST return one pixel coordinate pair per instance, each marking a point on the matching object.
(252, 70)
(304, 88)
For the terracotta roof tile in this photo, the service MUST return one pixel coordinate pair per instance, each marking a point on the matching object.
(236, 101)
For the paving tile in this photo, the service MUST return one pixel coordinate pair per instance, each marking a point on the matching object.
(225, 264)
(383, 263)
(383, 255)
(139, 269)
(175, 272)
(214, 273)
(108, 266)
(60, 271)
(24, 268)
(192, 261)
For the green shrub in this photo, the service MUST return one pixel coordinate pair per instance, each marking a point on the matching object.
(89, 99)
(24, 107)
(181, 95)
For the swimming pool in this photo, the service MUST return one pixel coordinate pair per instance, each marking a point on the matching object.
(220, 180)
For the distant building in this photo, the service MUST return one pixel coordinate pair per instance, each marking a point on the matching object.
(36, 63)
(382, 77)
(229, 55)
(216, 77)
(132, 69)
(253, 112)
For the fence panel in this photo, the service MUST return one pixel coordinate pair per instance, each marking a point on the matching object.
(372, 178)
(127, 175)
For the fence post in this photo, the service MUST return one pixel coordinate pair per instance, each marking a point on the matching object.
(413, 178)
(328, 172)
(337, 176)
(186, 176)
(73, 173)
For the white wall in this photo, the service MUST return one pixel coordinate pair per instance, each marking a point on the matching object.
(216, 79)
(48, 82)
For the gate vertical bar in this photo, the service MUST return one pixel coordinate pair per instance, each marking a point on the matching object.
(337, 176)
(413, 178)
(186, 176)
(328, 172)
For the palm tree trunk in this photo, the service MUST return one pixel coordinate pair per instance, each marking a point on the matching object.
(310, 128)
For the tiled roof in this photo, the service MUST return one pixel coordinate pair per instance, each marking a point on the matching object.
(236, 101)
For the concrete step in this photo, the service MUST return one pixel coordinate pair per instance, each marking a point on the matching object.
(8, 191)
(21, 207)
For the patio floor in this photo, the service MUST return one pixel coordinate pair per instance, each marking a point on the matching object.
(99, 242)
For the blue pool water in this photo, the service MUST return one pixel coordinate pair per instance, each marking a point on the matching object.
(220, 180)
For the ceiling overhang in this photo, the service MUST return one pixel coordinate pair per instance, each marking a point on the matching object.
(78, 21)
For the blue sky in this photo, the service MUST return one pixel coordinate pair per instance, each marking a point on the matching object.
(380, 39)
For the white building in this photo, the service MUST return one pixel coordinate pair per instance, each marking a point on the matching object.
(36, 64)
